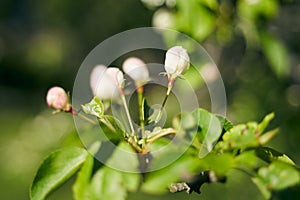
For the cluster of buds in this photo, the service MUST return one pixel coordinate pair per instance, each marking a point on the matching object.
(107, 83)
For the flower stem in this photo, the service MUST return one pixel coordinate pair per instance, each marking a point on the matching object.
(140, 92)
(170, 86)
(83, 117)
(127, 112)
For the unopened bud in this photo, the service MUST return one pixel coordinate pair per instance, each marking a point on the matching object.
(58, 99)
(137, 70)
(105, 82)
(177, 61)
(95, 77)
(116, 75)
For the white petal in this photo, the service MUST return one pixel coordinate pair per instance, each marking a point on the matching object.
(96, 76)
(136, 69)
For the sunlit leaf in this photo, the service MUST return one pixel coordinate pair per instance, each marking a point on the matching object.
(94, 107)
(57, 168)
(241, 136)
(248, 159)
(266, 137)
(220, 164)
(81, 186)
(265, 122)
(278, 175)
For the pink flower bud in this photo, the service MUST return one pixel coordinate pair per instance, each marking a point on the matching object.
(136, 69)
(58, 99)
(177, 61)
(105, 82)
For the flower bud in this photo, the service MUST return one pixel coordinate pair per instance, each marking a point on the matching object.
(95, 77)
(137, 70)
(58, 99)
(177, 61)
(116, 75)
(105, 82)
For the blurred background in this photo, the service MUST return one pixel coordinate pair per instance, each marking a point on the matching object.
(255, 44)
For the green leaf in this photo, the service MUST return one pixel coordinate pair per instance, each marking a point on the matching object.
(118, 176)
(241, 136)
(94, 107)
(157, 182)
(266, 137)
(219, 163)
(81, 186)
(276, 54)
(107, 184)
(209, 130)
(265, 122)
(124, 152)
(263, 189)
(227, 125)
(112, 127)
(269, 155)
(278, 175)
(146, 110)
(194, 19)
(248, 159)
(57, 168)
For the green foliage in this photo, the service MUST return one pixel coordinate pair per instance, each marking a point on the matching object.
(206, 147)
(276, 176)
(81, 185)
(57, 168)
(225, 21)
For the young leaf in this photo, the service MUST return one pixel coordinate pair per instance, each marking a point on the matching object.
(112, 127)
(227, 125)
(265, 122)
(241, 136)
(94, 107)
(57, 168)
(209, 130)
